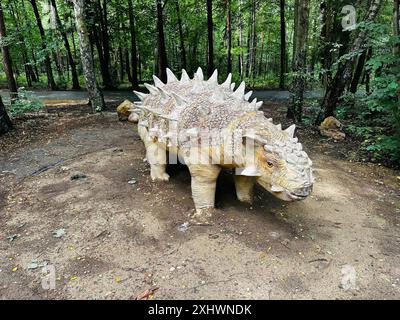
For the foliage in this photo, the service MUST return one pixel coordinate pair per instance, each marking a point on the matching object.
(24, 103)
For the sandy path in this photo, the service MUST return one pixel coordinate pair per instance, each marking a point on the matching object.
(121, 239)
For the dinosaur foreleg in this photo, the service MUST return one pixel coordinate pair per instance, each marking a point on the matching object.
(204, 182)
(244, 188)
(156, 156)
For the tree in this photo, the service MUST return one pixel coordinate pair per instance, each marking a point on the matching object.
(358, 72)
(396, 24)
(283, 46)
(74, 73)
(7, 62)
(95, 96)
(181, 40)
(344, 73)
(133, 75)
(49, 71)
(162, 52)
(229, 36)
(29, 72)
(5, 122)
(326, 41)
(295, 109)
(210, 27)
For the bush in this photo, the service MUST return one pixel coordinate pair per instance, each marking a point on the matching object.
(24, 103)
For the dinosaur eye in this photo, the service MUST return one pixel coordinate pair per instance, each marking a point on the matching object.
(270, 164)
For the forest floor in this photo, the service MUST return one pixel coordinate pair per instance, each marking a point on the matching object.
(65, 201)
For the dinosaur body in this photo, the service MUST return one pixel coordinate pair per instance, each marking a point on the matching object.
(209, 127)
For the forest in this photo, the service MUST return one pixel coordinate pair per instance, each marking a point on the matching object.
(347, 50)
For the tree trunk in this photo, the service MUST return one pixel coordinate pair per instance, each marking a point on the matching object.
(134, 74)
(229, 35)
(396, 24)
(75, 79)
(283, 46)
(95, 96)
(345, 69)
(50, 78)
(240, 42)
(296, 16)
(295, 110)
(253, 40)
(5, 122)
(128, 65)
(7, 62)
(326, 41)
(181, 40)
(358, 72)
(162, 62)
(210, 27)
(106, 46)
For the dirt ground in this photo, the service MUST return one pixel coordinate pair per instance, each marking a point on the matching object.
(117, 239)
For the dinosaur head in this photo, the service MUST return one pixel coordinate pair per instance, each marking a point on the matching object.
(282, 167)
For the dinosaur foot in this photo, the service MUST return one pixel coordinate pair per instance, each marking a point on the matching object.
(160, 177)
(202, 216)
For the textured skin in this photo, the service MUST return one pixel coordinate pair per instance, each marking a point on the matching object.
(175, 115)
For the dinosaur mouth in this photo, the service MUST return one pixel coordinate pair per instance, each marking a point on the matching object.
(300, 194)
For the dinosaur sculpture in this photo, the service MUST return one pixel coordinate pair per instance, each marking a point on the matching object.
(209, 127)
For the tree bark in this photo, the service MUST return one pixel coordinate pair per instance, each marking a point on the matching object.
(326, 41)
(162, 62)
(358, 72)
(128, 65)
(396, 24)
(295, 110)
(134, 74)
(50, 78)
(5, 122)
(74, 73)
(210, 27)
(283, 46)
(229, 35)
(345, 69)
(95, 96)
(7, 62)
(181, 38)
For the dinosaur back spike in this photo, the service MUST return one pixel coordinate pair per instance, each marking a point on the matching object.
(157, 82)
(214, 78)
(140, 95)
(227, 83)
(185, 77)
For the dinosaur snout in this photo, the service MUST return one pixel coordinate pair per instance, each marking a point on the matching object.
(301, 193)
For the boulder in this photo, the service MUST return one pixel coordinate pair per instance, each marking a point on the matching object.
(331, 128)
(123, 110)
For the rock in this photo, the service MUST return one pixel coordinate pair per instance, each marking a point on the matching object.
(78, 175)
(183, 227)
(331, 128)
(123, 110)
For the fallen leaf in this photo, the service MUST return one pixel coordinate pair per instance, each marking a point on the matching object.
(147, 294)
